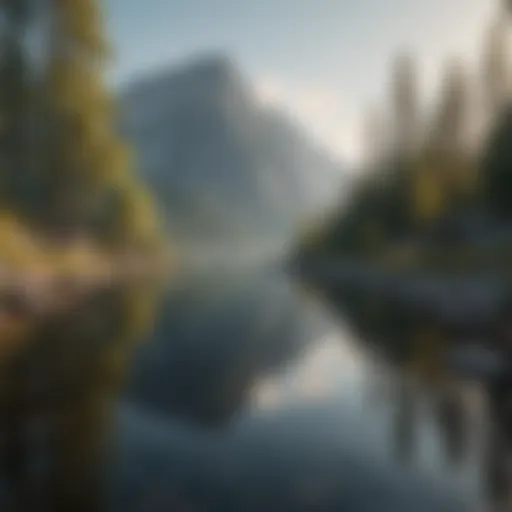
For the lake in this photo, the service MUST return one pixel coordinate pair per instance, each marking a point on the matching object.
(251, 396)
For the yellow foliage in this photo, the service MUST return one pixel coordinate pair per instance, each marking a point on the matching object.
(464, 179)
(87, 148)
(82, 20)
(18, 247)
(138, 223)
(73, 88)
(23, 250)
(83, 161)
(428, 195)
(140, 306)
(111, 159)
(80, 258)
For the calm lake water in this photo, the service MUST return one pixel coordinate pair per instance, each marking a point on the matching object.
(250, 396)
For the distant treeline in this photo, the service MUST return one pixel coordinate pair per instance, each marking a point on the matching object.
(425, 167)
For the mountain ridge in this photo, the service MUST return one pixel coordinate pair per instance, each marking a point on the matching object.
(221, 163)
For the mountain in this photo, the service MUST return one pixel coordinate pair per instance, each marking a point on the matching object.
(220, 164)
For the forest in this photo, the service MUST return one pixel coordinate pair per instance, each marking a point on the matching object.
(78, 230)
(433, 191)
(430, 205)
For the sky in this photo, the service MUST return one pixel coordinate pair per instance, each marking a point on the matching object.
(324, 61)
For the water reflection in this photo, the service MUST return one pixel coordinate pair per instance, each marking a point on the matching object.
(251, 397)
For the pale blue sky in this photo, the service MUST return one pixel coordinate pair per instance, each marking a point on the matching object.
(324, 60)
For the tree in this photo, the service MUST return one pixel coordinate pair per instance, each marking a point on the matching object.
(84, 156)
(405, 105)
(374, 138)
(13, 99)
(90, 190)
(427, 196)
(14, 87)
(448, 130)
(496, 168)
(447, 147)
(81, 174)
(495, 66)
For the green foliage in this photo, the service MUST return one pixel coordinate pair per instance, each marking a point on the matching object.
(418, 182)
(425, 209)
(14, 96)
(85, 160)
(497, 168)
(378, 210)
(65, 176)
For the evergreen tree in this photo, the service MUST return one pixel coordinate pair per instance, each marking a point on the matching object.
(86, 188)
(427, 195)
(84, 156)
(374, 138)
(90, 190)
(447, 149)
(496, 169)
(398, 167)
(13, 99)
(14, 74)
(448, 136)
(405, 105)
(495, 67)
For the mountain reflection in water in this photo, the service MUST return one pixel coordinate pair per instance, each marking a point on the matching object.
(250, 398)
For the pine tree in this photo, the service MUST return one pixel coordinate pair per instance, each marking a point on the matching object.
(15, 15)
(13, 100)
(447, 148)
(448, 136)
(496, 170)
(405, 105)
(84, 156)
(495, 67)
(374, 138)
(90, 191)
(428, 197)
